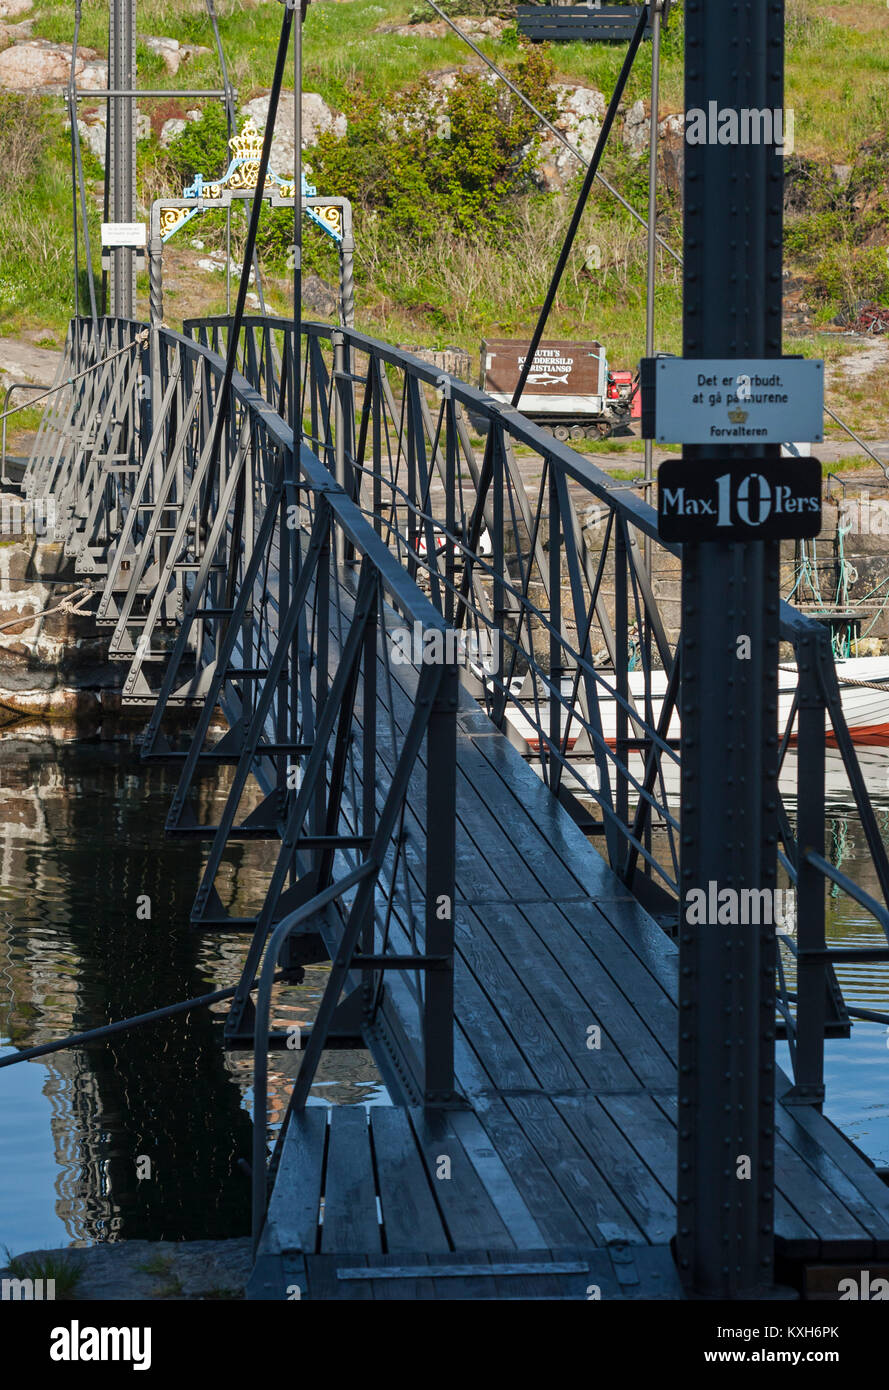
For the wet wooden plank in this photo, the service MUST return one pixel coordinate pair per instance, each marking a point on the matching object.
(651, 1133)
(324, 1286)
(593, 1201)
(553, 1213)
(350, 1199)
(836, 1227)
(466, 1287)
(838, 1179)
(538, 1282)
(497, 1180)
(618, 1163)
(413, 1289)
(541, 874)
(498, 1052)
(471, 1217)
(511, 987)
(837, 1152)
(631, 1052)
(521, 793)
(294, 1209)
(411, 1219)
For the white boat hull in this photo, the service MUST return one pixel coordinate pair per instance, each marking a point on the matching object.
(866, 709)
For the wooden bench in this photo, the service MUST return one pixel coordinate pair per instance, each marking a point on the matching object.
(562, 23)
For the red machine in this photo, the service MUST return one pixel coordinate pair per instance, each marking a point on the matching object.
(624, 392)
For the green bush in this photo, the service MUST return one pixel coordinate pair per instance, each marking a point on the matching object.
(429, 159)
(202, 147)
(847, 276)
(834, 237)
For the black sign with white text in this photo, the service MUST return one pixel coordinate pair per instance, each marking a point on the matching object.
(739, 499)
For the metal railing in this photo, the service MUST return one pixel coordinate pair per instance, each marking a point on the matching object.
(483, 529)
(222, 585)
(487, 511)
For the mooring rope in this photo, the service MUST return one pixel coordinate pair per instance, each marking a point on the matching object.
(70, 604)
(845, 680)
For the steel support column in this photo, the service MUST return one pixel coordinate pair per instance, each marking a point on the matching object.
(732, 274)
(121, 173)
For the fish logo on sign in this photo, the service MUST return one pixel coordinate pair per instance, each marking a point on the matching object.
(546, 379)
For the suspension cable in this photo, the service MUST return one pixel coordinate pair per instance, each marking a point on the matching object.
(580, 206)
(563, 139)
(77, 181)
(486, 475)
(852, 435)
(223, 399)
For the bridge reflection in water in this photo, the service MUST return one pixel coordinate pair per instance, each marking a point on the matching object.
(81, 839)
(517, 989)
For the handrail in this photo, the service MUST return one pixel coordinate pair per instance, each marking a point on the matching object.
(400, 478)
(626, 511)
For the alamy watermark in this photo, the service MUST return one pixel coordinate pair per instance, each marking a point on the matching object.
(30, 517)
(27, 1290)
(751, 125)
(740, 907)
(864, 515)
(431, 646)
(78, 1343)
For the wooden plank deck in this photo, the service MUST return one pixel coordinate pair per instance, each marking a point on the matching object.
(564, 1152)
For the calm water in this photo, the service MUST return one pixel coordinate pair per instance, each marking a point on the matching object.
(81, 838)
(856, 1069)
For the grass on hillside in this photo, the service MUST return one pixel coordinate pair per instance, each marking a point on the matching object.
(444, 290)
(837, 56)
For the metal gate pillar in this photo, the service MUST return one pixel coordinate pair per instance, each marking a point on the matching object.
(734, 55)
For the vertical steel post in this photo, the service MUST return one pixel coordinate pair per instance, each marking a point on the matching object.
(441, 867)
(732, 281)
(651, 269)
(811, 983)
(339, 429)
(300, 6)
(121, 173)
(621, 678)
(347, 268)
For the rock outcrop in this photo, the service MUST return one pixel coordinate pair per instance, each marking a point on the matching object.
(54, 664)
(580, 120)
(36, 65)
(317, 116)
(92, 124)
(172, 51)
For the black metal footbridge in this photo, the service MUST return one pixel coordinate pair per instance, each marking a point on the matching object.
(485, 845)
(487, 752)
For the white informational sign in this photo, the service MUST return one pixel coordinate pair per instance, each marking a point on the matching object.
(124, 234)
(738, 401)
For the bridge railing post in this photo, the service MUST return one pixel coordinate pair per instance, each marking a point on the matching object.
(811, 1008)
(441, 868)
(339, 436)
